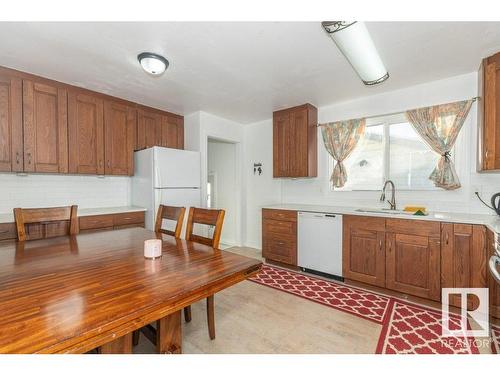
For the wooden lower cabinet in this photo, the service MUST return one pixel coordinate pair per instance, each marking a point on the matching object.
(463, 259)
(279, 236)
(412, 265)
(111, 221)
(35, 231)
(363, 257)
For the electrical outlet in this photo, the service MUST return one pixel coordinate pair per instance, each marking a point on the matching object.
(477, 189)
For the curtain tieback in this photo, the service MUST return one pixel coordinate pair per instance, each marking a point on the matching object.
(447, 155)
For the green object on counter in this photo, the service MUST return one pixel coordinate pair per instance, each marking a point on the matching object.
(420, 213)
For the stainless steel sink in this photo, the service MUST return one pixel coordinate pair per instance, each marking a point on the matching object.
(384, 211)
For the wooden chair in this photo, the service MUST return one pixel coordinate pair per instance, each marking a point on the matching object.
(213, 218)
(170, 213)
(46, 217)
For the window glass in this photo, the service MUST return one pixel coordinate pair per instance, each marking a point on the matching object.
(411, 159)
(390, 149)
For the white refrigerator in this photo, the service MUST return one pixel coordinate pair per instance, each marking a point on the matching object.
(165, 176)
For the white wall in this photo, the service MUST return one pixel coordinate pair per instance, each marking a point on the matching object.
(199, 127)
(316, 190)
(260, 190)
(41, 190)
(222, 163)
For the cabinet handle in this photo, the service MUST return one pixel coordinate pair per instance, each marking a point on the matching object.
(486, 153)
(29, 157)
(390, 246)
(17, 157)
(447, 238)
(380, 245)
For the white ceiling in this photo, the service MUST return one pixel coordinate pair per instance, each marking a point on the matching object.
(240, 71)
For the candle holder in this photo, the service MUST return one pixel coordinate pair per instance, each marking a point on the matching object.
(152, 249)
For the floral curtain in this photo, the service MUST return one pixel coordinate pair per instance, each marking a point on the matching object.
(439, 127)
(340, 139)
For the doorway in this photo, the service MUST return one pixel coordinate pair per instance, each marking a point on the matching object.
(222, 185)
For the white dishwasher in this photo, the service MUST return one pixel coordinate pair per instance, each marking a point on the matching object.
(320, 243)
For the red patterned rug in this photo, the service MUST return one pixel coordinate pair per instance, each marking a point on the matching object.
(355, 301)
(406, 328)
(416, 329)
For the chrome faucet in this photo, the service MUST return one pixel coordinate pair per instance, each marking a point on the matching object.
(392, 202)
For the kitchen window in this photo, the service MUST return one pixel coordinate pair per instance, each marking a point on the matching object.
(390, 149)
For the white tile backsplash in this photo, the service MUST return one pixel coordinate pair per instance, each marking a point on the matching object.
(45, 190)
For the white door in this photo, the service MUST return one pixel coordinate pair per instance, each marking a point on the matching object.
(176, 168)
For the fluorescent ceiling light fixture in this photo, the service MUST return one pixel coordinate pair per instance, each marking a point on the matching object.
(354, 41)
(152, 63)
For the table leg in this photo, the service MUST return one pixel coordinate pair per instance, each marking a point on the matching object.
(169, 334)
(122, 345)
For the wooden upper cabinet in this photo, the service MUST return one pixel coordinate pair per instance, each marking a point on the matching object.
(489, 114)
(119, 134)
(413, 257)
(45, 128)
(172, 132)
(295, 142)
(148, 129)
(86, 133)
(363, 254)
(11, 127)
(281, 144)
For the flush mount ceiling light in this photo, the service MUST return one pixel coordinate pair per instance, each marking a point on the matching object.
(152, 63)
(354, 41)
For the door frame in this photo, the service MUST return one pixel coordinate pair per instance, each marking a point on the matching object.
(205, 136)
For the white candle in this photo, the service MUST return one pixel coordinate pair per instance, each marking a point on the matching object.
(152, 249)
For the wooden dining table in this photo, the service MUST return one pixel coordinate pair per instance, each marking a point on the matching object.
(72, 294)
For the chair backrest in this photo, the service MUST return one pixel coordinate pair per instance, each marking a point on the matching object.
(44, 217)
(211, 217)
(170, 213)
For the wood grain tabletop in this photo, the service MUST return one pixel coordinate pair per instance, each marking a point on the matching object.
(75, 293)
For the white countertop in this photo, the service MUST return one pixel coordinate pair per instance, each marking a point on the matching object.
(9, 217)
(491, 221)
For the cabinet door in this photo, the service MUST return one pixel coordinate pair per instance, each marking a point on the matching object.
(45, 124)
(172, 132)
(11, 127)
(119, 129)
(463, 259)
(281, 145)
(279, 241)
(86, 134)
(491, 113)
(148, 129)
(413, 265)
(298, 162)
(363, 257)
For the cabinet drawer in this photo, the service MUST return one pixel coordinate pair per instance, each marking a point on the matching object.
(280, 227)
(96, 222)
(279, 214)
(280, 248)
(415, 227)
(128, 218)
(8, 231)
